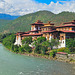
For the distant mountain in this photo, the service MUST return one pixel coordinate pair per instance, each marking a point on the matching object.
(7, 17)
(22, 23)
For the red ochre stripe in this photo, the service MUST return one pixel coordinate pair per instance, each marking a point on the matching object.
(37, 34)
(66, 25)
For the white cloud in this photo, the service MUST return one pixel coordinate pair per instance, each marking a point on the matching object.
(21, 7)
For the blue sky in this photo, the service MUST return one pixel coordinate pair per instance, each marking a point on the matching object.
(48, 1)
(22, 7)
(45, 1)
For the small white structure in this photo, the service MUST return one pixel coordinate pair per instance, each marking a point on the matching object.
(18, 41)
(62, 43)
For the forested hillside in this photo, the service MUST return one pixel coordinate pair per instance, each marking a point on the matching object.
(2, 24)
(22, 23)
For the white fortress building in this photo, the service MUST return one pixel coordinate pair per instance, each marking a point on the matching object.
(48, 30)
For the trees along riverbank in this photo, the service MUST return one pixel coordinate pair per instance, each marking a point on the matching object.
(39, 47)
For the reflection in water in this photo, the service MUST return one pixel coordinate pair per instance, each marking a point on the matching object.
(15, 64)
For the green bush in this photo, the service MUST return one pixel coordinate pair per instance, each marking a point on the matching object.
(41, 39)
(70, 43)
(38, 49)
(21, 49)
(64, 49)
(72, 49)
(12, 46)
(16, 48)
(27, 40)
(27, 48)
(44, 50)
(8, 41)
(53, 53)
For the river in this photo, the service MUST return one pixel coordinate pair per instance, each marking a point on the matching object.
(15, 64)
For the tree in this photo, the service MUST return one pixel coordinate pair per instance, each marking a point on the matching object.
(12, 46)
(16, 48)
(38, 49)
(27, 48)
(51, 44)
(9, 40)
(46, 43)
(41, 39)
(53, 53)
(21, 49)
(27, 40)
(54, 43)
(70, 43)
(44, 49)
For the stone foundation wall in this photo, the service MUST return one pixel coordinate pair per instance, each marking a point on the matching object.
(66, 58)
(60, 56)
(71, 56)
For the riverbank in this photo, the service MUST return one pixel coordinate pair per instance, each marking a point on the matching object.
(59, 57)
(62, 58)
(41, 50)
(70, 58)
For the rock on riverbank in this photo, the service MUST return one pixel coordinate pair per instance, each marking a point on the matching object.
(66, 58)
(69, 58)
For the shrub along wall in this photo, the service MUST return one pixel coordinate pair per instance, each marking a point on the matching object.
(70, 43)
(42, 46)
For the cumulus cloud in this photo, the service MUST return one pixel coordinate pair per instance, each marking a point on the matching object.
(22, 7)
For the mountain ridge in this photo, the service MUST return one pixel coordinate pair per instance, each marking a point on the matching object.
(7, 16)
(22, 23)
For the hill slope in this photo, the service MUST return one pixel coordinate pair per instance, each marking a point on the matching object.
(22, 23)
(2, 24)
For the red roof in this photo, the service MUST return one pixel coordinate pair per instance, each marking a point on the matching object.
(68, 31)
(61, 53)
(59, 31)
(27, 32)
(48, 23)
(35, 30)
(37, 23)
(20, 33)
(49, 31)
(36, 34)
(72, 22)
(69, 25)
